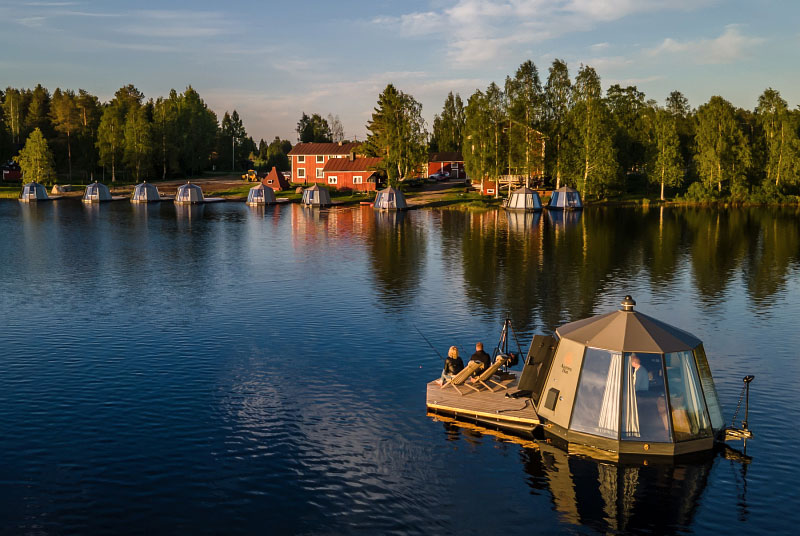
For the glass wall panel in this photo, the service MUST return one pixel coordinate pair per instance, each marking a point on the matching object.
(596, 409)
(644, 400)
(689, 418)
(710, 392)
(554, 199)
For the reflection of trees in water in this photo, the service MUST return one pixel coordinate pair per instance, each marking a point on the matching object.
(556, 268)
(397, 248)
(659, 496)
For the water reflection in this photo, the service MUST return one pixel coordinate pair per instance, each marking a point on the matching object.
(397, 254)
(641, 496)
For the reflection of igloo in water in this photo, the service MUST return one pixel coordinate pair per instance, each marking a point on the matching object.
(524, 200)
(316, 196)
(565, 198)
(96, 192)
(145, 193)
(628, 383)
(261, 195)
(33, 191)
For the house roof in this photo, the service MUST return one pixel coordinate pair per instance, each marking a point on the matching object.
(275, 177)
(447, 156)
(358, 164)
(323, 148)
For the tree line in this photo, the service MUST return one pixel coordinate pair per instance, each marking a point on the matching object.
(619, 141)
(78, 136)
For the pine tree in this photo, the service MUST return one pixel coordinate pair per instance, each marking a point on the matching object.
(397, 134)
(36, 160)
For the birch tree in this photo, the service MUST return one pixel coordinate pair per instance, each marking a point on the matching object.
(36, 160)
(780, 135)
(722, 154)
(557, 103)
(667, 167)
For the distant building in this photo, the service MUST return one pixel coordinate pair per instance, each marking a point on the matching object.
(352, 172)
(452, 163)
(308, 159)
(275, 180)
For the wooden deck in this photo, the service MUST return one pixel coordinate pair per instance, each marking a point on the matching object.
(484, 406)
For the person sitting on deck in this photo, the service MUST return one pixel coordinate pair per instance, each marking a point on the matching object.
(452, 365)
(481, 357)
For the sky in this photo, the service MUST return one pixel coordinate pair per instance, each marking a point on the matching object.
(272, 61)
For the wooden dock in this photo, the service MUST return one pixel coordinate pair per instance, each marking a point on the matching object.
(491, 408)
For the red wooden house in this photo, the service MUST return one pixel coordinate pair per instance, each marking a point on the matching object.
(352, 172)
(452, 163)
(275, 180)
(309, 159)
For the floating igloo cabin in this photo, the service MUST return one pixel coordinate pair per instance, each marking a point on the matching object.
(524, 200)
(96, 193)
(261, 195)
(189, 194)
(565, 198)
(628, 383)
(316, 196)
(145, 193)
(33, 191)
(390, 199)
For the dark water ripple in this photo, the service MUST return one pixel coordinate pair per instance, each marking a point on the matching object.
(221, 369)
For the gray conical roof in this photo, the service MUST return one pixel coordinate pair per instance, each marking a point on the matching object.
(566, 189)
(628, 331)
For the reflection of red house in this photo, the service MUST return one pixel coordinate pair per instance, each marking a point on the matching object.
(451, 163)
(352, 172)
(275, 180)
(309, 159)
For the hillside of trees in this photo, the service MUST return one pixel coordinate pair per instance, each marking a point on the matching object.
(618, 142)
(130, 138)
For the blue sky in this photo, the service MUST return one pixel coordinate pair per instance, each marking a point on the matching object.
(273, 60)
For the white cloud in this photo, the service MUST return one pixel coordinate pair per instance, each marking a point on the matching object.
(730, 46)
(177, 24)
(480, 31)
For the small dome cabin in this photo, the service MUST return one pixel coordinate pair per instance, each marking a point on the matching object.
(524, 200)
(627, 383)
(96, 193)
(565, 198)
(57, 189)
(145, 193)
(316, 196)
(189, 194)
(33, 191)
(261, 195)
(390, 199)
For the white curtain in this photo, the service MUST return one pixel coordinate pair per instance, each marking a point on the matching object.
(694, 402)
(631, 426)
(609, 410)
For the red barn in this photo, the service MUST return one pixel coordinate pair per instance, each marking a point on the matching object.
(309, 159)
(451, 163)
(275, 180)
(352, 172)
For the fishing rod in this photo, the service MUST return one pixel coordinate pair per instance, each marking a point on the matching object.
(429, 342)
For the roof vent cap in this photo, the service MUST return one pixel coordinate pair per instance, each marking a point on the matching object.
(628, 303)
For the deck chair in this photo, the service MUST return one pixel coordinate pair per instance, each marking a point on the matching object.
(462, 376)
(486, 375)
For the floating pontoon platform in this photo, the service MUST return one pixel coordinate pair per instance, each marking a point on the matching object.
(491, 408)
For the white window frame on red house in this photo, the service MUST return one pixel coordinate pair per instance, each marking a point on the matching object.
(301, 159)
(358, 179)
(320, 159)
(333, 179)
(490, 191)
(301, 173)
(319, 173)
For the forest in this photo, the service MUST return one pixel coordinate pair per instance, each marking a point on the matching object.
(129, 138)
(620, 142)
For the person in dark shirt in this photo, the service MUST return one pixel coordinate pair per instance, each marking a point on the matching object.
(481, 357)
(452, 365)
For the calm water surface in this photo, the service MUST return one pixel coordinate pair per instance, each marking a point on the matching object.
(222, 369)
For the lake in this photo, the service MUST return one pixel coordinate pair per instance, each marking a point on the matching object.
(227, 369)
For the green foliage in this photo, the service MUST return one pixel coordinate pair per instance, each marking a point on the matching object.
(314, 129)
(397, 134)
(110, 137)
(557, 93)
(477, 137)
(722, 152)
(779, 126)
(36, 160)
(667, 165)
(526, 103)
(448, 127)
(138, 142)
